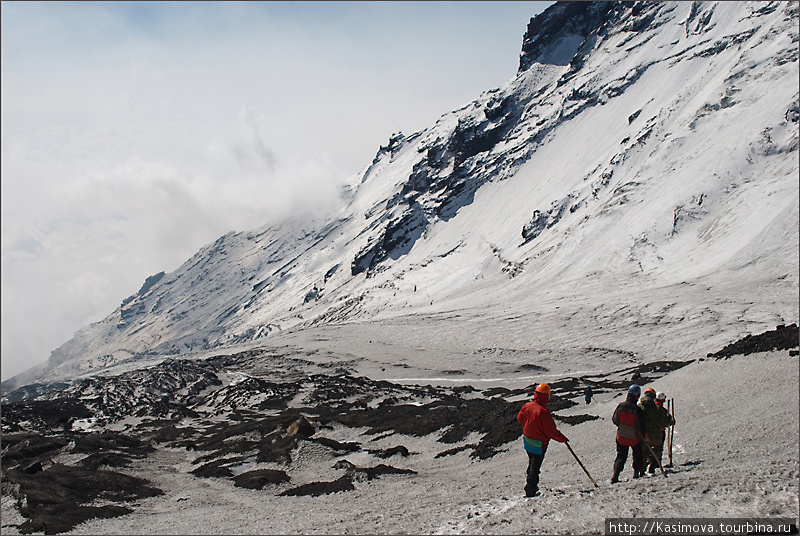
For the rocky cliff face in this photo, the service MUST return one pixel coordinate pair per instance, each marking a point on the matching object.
(555, 36)
(641, 144)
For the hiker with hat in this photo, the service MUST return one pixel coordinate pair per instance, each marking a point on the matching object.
(630, 422)
(660, 399)
(538, 428)
(658, 420)
(587, 393)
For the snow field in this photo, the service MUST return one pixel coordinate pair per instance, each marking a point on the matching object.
(735, 455)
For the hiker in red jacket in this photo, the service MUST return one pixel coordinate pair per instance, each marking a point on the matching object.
(538, 428)
(630, 422)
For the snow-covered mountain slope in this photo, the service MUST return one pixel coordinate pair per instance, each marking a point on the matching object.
(639, 174)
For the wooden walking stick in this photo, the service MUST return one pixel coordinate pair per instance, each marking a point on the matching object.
(671, 428)
(581, 464)
(643, 440)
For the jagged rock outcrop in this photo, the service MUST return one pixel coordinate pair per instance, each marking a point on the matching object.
(555, 35)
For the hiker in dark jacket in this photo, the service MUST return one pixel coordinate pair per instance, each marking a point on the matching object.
(538, 428)
(587, 393)
(658, 419)
(630, 422)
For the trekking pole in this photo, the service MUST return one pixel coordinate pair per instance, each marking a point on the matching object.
(669, 433)
(581, 464)
(671, 428)
(663, 472)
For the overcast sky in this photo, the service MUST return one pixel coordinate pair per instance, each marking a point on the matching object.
(134, 133)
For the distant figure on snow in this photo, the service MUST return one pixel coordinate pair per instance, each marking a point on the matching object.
(630, 422)
(538, 428)
(587, 393)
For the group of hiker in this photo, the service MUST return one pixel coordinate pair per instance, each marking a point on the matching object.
(641, 427)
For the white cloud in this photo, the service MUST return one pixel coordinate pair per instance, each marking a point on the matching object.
(135, 133)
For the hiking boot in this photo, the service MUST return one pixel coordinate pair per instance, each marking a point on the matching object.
(651, 470)
(615, 479)
(637, 474)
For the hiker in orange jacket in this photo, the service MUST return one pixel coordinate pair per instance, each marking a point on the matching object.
(538, 428)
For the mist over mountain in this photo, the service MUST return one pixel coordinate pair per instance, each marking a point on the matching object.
(624, 210)
(644, 155)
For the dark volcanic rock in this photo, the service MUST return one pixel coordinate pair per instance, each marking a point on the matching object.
(109, 459)
(575, 419)
(276, 447)
(388, 453)
(55, 499)
(315, 489)
(33, 468)
(404, 419)
(336, 445)
(496, 418)
(227, 438)
(57, 519)
(21, 446)
(259, 478)
(112, 441)
(530, 367)
(217, 468)
(28, 392)
(383, 469)
(370, 473)
(496, 391)
(58, 414)
(450, 452)
(163, 431)
(781, 338)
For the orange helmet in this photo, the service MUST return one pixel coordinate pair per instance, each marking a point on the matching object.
(650, 392)
(543, 388)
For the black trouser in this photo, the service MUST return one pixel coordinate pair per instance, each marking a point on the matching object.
(648, 456)
(622, 457)
(534, 466)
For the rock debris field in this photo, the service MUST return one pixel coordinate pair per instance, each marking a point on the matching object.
(217, 455)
